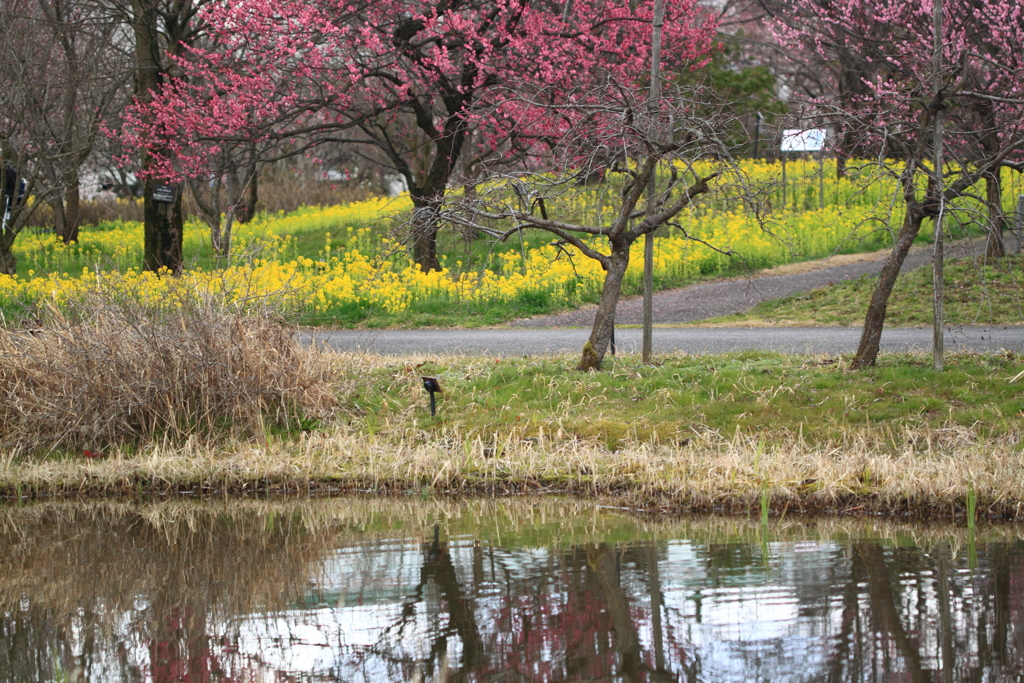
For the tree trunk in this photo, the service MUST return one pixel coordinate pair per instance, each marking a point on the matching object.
(164, 223)
(59, 219)
(424, 232)
(72, 211)
(8, 262)
(164, 228)
(207, 201)
(66, 211)
(216, 239)
(843, 154)
(241, 189)
(604, 320)
(851, 85)
(994, 247)
(247, 209)
(212, 209)
(225, 235)
(433, 175)
(870, 338)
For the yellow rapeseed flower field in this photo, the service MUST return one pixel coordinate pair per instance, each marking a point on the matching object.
(358, 268)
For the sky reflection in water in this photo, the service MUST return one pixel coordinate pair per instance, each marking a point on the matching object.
(358, 590)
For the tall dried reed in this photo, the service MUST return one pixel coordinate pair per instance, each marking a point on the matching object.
(112, 371)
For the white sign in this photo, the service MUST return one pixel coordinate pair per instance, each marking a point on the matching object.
(796, 140)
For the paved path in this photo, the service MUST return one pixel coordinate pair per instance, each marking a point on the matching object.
(724, 297)
(804, 340)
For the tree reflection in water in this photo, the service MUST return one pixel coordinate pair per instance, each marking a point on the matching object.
(345, 590)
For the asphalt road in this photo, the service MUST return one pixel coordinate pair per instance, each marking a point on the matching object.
(800, 340)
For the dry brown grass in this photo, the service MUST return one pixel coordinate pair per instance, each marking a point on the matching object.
(115, 373)
(90, 213)
(286, 192)
(932, 475)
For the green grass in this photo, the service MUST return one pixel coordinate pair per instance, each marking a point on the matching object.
(686, 395)
(975, 294)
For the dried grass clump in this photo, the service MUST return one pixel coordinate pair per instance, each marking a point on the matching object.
(113, 371)
(780, 471)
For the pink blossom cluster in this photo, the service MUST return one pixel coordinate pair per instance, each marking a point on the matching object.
(292, 71)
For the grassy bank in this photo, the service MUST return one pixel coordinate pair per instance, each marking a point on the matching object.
(716, 433)
(932, 474)
(682, 396)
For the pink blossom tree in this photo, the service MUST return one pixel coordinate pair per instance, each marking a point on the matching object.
(163, 32)
(979, 66)
(412, 78)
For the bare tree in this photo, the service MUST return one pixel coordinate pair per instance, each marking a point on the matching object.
(675, 149)
(64, 76)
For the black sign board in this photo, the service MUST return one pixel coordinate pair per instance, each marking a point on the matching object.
(165, 194)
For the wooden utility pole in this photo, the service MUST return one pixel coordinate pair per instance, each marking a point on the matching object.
(654, 107)
(938, 342)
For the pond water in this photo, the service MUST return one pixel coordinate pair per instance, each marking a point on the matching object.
(510, 590)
